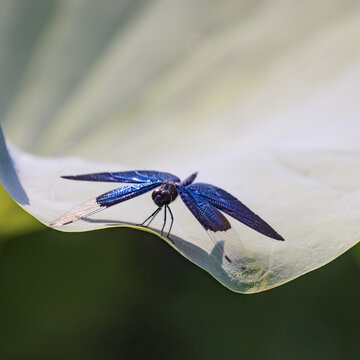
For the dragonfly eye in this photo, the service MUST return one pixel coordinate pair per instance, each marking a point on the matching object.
(158, 201)
(173, 193)
(155, 193)
(165, 195)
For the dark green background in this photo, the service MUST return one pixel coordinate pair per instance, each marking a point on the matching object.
(122, 293)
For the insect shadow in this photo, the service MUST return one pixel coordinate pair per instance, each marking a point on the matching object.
(190, 250)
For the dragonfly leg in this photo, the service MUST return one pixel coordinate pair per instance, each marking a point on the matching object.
(162, 230)
(172, 221)
(152, 217)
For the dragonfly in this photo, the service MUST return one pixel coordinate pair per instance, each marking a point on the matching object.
(206, 202)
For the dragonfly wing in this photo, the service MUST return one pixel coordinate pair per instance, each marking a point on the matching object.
(104, 201)
(212, 220)
(227, 203)
(134, 177)
(208, 216)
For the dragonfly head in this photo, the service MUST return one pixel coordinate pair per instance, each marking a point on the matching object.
(164, 195)
(161, 197)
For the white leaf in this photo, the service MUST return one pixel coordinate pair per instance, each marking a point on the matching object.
(260, 98)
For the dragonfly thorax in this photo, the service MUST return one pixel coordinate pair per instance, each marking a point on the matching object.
(165, 194)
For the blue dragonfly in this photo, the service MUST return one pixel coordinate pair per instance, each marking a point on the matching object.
(206, 202)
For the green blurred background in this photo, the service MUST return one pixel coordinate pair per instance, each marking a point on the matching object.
(122, 293)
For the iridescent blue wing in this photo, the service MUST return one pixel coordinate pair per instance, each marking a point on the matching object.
(212, 220)
(227, 203)
(207, 215)
(134, 177)
(104, 201)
